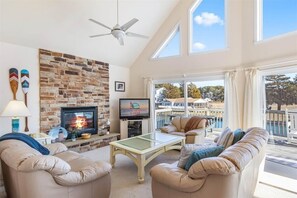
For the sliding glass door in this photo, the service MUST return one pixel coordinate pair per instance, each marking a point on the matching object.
(189, 98)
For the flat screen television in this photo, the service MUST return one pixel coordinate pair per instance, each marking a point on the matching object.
(134, 108)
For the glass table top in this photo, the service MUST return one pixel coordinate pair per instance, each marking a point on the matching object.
(158, 137)
(138, 143)
(143, 142)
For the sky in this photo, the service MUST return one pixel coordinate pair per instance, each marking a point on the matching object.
(209, 24)
(279, 17)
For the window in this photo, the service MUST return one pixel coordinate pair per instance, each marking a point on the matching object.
(275, 17)
(201, 98)
(171, 47)
(280, 163)
(207, 21)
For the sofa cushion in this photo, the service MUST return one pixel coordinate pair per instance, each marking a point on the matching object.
(226, 138)
(168, 129)
(187, 150)
(203, 153)
(176, 122)
(238, 134)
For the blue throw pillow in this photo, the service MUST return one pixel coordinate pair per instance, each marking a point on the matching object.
(238, 134)
(26, 139)
(203, 153)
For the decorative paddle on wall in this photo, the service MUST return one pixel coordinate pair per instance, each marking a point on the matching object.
(14, 81)
(25, 81)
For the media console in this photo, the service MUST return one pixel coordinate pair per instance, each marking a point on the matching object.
(131, 128)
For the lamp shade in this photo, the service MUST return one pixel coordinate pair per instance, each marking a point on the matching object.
(16, 108)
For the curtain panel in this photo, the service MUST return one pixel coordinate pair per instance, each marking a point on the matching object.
(253, 112)
(232, 117)
(149, 93)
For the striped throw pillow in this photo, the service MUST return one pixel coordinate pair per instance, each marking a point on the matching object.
(226, 138)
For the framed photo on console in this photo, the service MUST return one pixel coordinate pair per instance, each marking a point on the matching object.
(119, 86)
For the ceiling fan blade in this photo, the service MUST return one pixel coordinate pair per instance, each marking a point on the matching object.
(121, 40)
(127, 25)
(94, 21)
(135, 35)
(97, 35)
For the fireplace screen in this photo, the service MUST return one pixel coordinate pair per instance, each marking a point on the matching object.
(81, 119)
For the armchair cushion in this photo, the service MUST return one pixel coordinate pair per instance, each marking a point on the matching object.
(86, 174)
(176, 178)
(52, 164)
(211, 165)
(203, 153)
(168, 129)
(56, 148)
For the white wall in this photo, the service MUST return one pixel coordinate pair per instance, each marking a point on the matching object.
(27, 58)
(21, 58)
(117, 73)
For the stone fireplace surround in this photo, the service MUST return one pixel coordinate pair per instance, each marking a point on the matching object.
(71, 81)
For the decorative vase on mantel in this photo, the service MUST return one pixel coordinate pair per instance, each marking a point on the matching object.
(73, 136)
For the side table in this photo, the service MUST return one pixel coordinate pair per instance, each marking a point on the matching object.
(42, 138)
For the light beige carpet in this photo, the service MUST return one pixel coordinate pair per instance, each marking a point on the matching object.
(124, 183)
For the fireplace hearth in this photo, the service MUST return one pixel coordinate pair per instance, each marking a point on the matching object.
(80, 119)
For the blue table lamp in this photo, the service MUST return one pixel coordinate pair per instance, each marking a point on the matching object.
(15, 109)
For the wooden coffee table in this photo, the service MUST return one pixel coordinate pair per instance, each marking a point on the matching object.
(142, 149)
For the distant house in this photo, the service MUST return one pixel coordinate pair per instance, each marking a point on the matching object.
(180, 102)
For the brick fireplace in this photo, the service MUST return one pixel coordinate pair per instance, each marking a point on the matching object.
(71, 81)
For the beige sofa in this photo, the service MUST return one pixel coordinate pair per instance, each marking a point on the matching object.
(179, 125)
(233, 174)
(29, 174)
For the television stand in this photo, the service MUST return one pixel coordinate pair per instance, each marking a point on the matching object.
(131, 128)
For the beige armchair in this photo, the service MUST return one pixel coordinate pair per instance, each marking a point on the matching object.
(193, 128)
(28, 173)
(232, 174)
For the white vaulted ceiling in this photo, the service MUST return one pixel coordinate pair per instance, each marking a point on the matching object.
(63, 26)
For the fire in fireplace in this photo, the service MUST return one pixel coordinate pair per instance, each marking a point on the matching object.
(80, 119)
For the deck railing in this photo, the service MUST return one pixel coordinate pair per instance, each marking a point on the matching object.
(164, 116)
(276, 123)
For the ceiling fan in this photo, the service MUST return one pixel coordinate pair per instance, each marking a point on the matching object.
(119, 32)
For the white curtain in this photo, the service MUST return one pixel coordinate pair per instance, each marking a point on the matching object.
(253, 100)
(232, 118)
(149, 93)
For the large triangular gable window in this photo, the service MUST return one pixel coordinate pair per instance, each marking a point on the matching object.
(275, 18)
(171, 46)
(207, 23)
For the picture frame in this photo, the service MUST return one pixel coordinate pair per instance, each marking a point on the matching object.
(119, 86)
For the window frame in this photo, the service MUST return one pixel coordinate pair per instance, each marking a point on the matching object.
(190, 29)
(258, 25)
(166, 42)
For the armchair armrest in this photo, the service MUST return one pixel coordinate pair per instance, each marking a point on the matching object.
(195, 132)
(52, 164)
(168, 129)
(56, 148)
(89, 173)
(172, 176)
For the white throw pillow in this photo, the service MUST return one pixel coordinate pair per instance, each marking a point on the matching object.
(226, 138)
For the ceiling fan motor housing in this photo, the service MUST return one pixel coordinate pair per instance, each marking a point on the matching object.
(118, 33)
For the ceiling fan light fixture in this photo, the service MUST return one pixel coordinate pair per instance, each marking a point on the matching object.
(118, 34)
